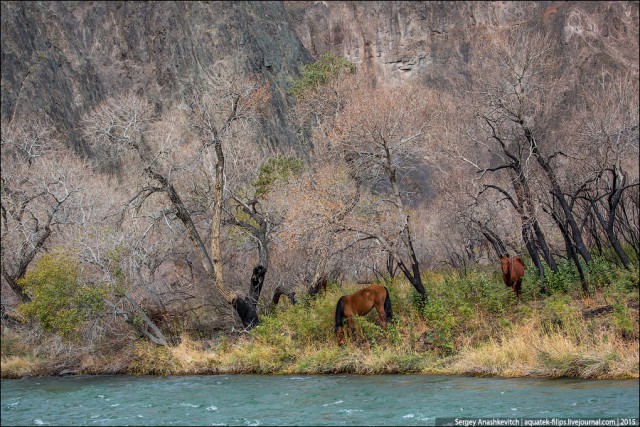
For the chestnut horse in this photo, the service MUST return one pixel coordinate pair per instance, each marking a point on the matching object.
(361, 303)
(512, 273)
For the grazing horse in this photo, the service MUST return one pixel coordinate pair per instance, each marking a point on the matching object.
(361, 303)
(512, 273)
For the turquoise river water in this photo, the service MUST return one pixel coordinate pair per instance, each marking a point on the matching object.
(316, 400)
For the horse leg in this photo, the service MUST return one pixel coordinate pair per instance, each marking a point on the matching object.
(518, 288)
(352, 327)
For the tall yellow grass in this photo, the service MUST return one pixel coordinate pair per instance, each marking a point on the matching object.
(528, 351)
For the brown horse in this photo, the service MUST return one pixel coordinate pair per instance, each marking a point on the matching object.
(361, 303)
(512, 273)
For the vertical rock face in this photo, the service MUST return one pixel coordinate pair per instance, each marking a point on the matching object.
(61, 58)
(434, 41)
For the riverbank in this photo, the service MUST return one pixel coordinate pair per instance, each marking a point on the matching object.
(471, 325)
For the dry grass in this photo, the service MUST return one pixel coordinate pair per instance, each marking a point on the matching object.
(470, 327)
(528, 351)
(16, 367)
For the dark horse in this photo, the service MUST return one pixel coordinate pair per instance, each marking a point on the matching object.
(512, 273)
(361, 303)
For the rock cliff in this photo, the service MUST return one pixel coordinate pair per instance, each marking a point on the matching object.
(435, 41)
(61, 58)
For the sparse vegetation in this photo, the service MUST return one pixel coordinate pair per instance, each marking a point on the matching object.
(327, 67)
(473, 326)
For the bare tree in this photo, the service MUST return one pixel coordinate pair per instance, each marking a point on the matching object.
(41, 183)
(182, 160)
(516, 98)
(608, 125)
(379, 145)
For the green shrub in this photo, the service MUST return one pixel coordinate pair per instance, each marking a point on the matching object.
(276, 169)
(328, 67)
(623, 323)
(604, 274)
(565, 280)
(59, 302)
(560, 314)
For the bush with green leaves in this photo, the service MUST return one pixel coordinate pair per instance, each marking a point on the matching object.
(560, 314)
(274, 170)
(603, 273)
(58, 300)
(328, 67)
(565, 280)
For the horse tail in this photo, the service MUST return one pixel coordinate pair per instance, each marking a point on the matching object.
(387, 305)
(339, 316)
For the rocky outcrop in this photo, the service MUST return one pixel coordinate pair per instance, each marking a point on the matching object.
(435, 41)
(61, 58)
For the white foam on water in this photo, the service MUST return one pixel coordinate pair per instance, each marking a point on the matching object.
(337, 402)
(212, 408)
(514, 409)
(419, 416)
(349, 411)
(114, 405)
(189, 405)
(427, 420)
(251, 423)
(39, 422)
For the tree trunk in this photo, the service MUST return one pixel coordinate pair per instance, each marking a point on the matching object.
(576, 233)
(13, 284)
(608, 223)
(495, 241)
(392, 266)
(415, 278)
(571, 250)
(154, 334)
(542, 244)
(247, 307)
(535, 257)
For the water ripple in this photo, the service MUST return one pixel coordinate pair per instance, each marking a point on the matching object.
(297, 400)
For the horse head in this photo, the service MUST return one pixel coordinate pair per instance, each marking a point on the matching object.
(504, 262)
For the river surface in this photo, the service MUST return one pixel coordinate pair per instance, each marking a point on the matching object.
(311, 400)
